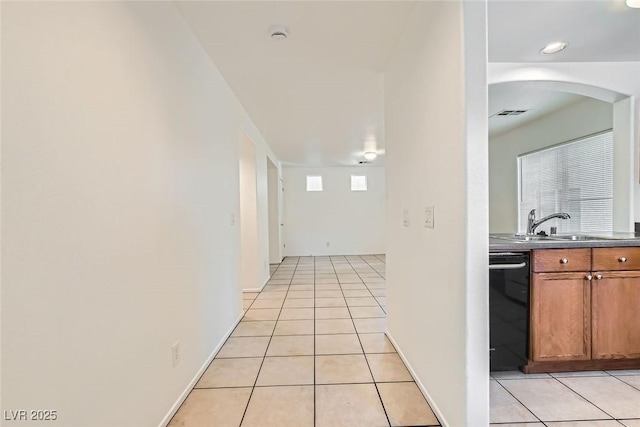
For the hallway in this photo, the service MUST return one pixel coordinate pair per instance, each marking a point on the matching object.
(310, 351)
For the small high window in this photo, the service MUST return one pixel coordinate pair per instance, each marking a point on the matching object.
(314, 183)
(358, 183)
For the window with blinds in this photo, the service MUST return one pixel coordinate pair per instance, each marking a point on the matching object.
(575, 177)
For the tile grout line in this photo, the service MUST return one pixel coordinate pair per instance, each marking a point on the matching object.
(374, 269)
(365, 283)
(590, 402)
(570, 389)
(361, 346)
(518, 400)
(620, 379)
(266, 349)
(612, 417)
(573, 391)
(341, 383)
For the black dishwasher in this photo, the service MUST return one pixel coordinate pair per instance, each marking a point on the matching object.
(508, 309)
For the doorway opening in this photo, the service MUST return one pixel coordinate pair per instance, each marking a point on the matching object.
(274, 213)
(248, 274)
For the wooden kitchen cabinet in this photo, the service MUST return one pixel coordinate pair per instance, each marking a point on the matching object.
(615, 313)
(584, 309)
(560, 324)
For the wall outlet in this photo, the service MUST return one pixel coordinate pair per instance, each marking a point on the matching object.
(232, 218)
(175, 354)
(406, 220)
(428, 217)
(328, 244)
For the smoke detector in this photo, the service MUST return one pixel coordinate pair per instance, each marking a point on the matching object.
(278, 32)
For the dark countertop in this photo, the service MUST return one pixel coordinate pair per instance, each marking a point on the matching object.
(606, 240)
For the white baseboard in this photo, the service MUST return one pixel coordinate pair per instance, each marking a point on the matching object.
(258, 289)
(421, 386)
(167, 418)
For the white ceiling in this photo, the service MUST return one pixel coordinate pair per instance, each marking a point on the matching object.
(596, 30)
(317, 97)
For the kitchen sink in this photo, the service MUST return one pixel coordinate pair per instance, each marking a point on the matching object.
(522, 238)
(577, 237)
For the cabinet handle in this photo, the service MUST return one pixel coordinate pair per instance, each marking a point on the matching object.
(598, 276)
(588, 277)
(622, 259)
(564, 261)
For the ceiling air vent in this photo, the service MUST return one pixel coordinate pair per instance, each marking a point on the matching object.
(509, 113)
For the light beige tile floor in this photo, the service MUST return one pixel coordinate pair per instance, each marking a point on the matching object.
(310, 351)
(566, 399)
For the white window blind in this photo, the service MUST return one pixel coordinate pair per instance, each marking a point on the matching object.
(575, 177)
(314, 183)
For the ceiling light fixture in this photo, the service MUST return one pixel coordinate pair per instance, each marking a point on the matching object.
(553, 47)
(370, 155)
(278, 32)
(633, 3)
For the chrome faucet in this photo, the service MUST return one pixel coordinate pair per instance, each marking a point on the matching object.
(532, 224)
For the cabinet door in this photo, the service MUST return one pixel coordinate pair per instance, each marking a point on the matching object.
(616, 314)
(560, 317)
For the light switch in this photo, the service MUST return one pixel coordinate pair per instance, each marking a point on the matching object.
(406, 221)
(428, 217)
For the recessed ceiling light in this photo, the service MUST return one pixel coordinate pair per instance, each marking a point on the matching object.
(278, 32)
(633, 3)
(554, 47)
(370, 155)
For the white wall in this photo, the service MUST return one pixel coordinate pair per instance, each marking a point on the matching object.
(352, 222)
(625, 177)
(436, 150)
(119, 178)
(576, 120)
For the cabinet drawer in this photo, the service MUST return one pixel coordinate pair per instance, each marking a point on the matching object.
(552, 260)
(624, 258)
